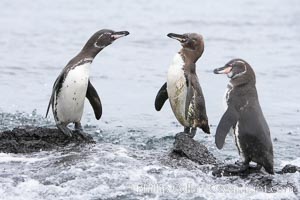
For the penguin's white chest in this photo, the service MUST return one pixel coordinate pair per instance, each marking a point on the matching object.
(70, 99)
(177, 89)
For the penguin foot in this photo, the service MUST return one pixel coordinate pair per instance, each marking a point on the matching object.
(78, 126)
(65, 130)
(186, 129)
(243, 168)
(237, 168)
(82, 134)
(192, 133)
(269, 169)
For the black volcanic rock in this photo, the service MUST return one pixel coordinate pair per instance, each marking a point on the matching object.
(32, 139)
(289, 169)
(193, 150)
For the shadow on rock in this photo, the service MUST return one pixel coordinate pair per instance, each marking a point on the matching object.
(32, 139)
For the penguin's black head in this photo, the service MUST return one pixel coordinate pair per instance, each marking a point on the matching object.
(103, 38)
(192, 43)
(237, 70)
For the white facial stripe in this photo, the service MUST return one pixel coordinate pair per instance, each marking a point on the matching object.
(100, 47)
(242, 73)
(97, 46)
(239, 61)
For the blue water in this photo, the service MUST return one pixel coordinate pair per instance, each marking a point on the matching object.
(38, 38)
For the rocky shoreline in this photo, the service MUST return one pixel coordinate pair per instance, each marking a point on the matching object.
(30, 139)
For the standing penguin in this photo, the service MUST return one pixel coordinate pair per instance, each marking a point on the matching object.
(182, 86)
(73, 84)
(244, 115)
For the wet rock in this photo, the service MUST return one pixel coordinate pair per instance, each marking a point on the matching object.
(29, 139)
(232, 170)
(261, 181)
(227, 170)
(175, 161)
(268, 184)
(289, 169)
(193, 150)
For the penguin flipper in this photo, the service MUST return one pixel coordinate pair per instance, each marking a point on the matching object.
(56, 86)
(228, 120)
(92, 96)
(161, 97)
(50, 101)
(200, 104)
(189, 96)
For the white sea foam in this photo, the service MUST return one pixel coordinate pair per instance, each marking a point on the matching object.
(17, 158)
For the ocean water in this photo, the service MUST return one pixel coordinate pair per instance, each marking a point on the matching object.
(38, 38)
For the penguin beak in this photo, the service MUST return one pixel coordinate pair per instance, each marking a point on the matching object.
(180, 38)
(119, 34)
(223, 70)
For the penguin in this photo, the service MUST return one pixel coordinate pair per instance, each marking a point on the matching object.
(73, 84)
(245, 116)
(182, 87)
